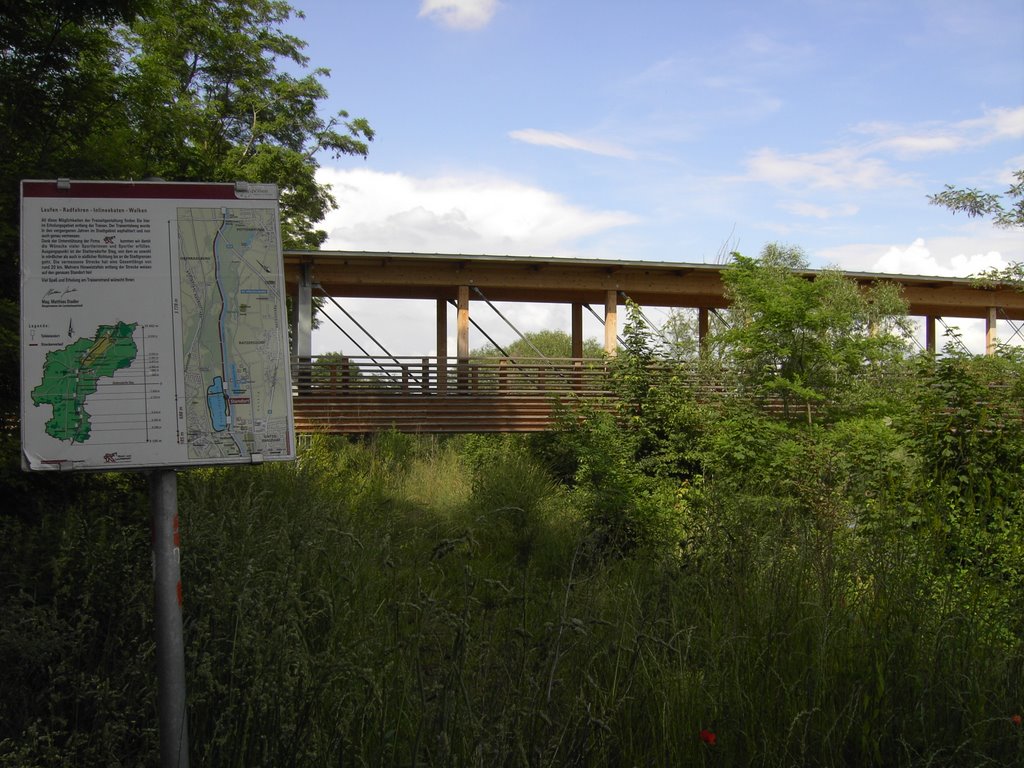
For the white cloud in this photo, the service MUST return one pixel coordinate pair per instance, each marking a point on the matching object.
(865, 165)
(819, 211)
(1002, 124)
(565, 141)
(455, 214)
(919, 145)
(460, 14)
(918, 259)
(937, 137)
(843, 168)
(938, 256)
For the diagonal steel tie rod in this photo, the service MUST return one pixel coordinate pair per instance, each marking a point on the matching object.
(600, 319)
(370, 336)
(487, 336)
(358, 345)
(509, 323)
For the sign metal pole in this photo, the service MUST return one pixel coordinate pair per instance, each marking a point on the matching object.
(170, 643)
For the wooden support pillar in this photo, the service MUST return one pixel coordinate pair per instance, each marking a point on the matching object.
(577, 345)
(577, 330)
(990, 331)
(462, 336)
(442, 345)
(929, 333)
(702, 329)
(611, 322)
(302, 330)
(462, 326)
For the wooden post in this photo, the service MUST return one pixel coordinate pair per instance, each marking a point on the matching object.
(577, 344)
(462, 336)
(611, 322)
(702, 329)
(302, 330)
(346, 374)
(990, 331)
(442, 346)
(577, 330)
(503, 374)
(929, 333)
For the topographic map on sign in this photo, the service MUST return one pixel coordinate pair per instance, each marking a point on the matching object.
(232, 333)
(72, 373)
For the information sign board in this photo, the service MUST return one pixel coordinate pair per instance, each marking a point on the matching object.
(153, 326)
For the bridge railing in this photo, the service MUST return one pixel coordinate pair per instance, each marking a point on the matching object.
(419, 394)
(368, 394)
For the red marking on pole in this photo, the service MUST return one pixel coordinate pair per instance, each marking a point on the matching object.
(180, 598)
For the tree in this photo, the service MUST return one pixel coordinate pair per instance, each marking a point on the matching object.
(187, 90)
(804, 337)
(208, 99)
(548, 343)
(975, 203)
(680, 334)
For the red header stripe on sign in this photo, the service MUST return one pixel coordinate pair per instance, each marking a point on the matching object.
(140, 190)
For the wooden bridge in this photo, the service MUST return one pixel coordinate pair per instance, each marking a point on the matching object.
(443, 393)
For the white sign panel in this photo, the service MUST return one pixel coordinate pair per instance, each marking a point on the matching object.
(153, 326)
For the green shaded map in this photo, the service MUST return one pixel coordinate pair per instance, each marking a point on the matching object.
(70, 376)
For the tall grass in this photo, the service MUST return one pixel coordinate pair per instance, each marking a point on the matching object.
(411, 601)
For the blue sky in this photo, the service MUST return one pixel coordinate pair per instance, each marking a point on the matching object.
(670, 131)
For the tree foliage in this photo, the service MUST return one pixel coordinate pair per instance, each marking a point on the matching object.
(977, 203)
(804, 337)
(185, 90)
(209, 96)
(547, 343)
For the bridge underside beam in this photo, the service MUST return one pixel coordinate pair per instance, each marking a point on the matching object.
(579, 281)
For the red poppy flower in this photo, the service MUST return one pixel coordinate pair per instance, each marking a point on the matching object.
(708, 737)
(1015, 719)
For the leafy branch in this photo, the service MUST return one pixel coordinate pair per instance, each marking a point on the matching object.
(976, 203)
